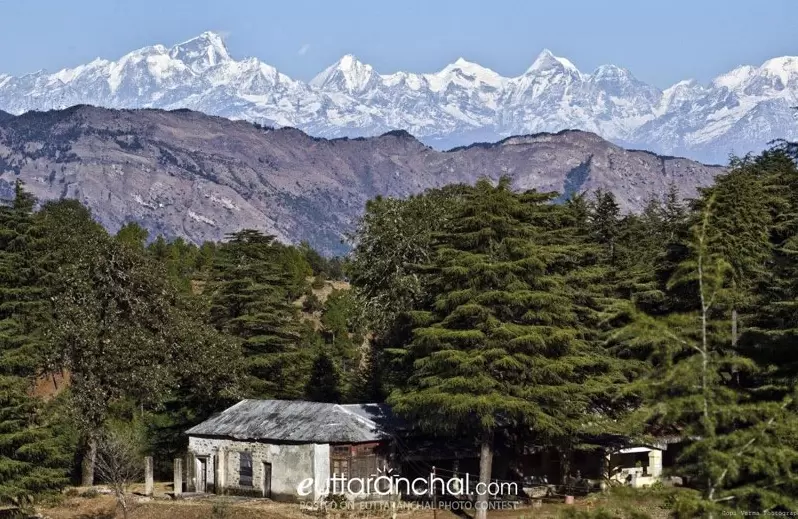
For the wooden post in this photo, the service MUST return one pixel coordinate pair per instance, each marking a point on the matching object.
(177, 480)
(191, 485)
(149, 484)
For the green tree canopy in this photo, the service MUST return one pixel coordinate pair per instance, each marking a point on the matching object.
(251, 299)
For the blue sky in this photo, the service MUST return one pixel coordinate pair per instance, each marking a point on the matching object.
(660, 42)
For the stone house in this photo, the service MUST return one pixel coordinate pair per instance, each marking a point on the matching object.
(287, 450)
(297, 451)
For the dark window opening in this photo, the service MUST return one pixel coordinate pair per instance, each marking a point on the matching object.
(245, 469)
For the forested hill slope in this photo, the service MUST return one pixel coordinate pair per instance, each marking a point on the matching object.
(182, 173)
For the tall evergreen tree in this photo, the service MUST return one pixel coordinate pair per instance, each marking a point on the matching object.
(393, 238)
(594, 280)
(652, 246)
(22, 292)
(324, 384)
(342, 333)
(605, 222)
(250, 297)
(32, 457)
(502, 343)
(773, 320)
(737, 457)
(34, 454)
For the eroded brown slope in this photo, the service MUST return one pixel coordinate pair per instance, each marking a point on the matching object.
(187, 174)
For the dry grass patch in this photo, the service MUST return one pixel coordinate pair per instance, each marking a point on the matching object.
(78, 505)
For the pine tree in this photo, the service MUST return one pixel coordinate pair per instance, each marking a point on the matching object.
(393, 238)
(605, 222)
(736, 455)
(368, 383)
(773, 323)
(324, 384)
(32, 454)
(740, 233)
(22, 292)
(651, 246)
(673, 214)
(342, 334)
(250, 297)
(596, 283)
(502, 343)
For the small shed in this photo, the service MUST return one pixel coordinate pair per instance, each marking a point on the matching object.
(271, 448)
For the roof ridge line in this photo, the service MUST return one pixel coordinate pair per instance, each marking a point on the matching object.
(357, 416)
(236, 405)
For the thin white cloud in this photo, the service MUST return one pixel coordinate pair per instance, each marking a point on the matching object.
(304, 49)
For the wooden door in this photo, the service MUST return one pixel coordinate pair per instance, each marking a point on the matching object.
(267, 479)
(202, 474)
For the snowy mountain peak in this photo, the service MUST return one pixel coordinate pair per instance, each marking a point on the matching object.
(67, 75)
(685, 91)
(349, 61)
(201, 53)
(683, 86)
(611, 72)
(773, 77)
(348, 74)
(144, 52)
(789, 63)
(734, 78)
(463, 73)
(547, 61)
(740, 111)
(785, 67)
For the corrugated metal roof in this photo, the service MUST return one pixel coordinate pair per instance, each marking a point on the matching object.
(300, 422)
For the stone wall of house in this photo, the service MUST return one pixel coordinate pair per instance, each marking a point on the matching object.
(290, 466)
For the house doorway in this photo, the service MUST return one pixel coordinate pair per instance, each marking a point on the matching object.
(267, 479)
(202, 475)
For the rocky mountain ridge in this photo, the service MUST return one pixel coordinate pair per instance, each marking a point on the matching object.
(183, 173)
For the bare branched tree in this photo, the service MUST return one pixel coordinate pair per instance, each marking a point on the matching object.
(120, 464)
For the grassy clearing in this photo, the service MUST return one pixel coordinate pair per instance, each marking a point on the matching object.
(86, 504)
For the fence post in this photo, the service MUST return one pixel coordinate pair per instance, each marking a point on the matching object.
(149, 484)
(178, 477)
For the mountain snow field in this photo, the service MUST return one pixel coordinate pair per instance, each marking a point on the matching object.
(739, 111)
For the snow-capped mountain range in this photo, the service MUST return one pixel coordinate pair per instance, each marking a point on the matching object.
(737, 112)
